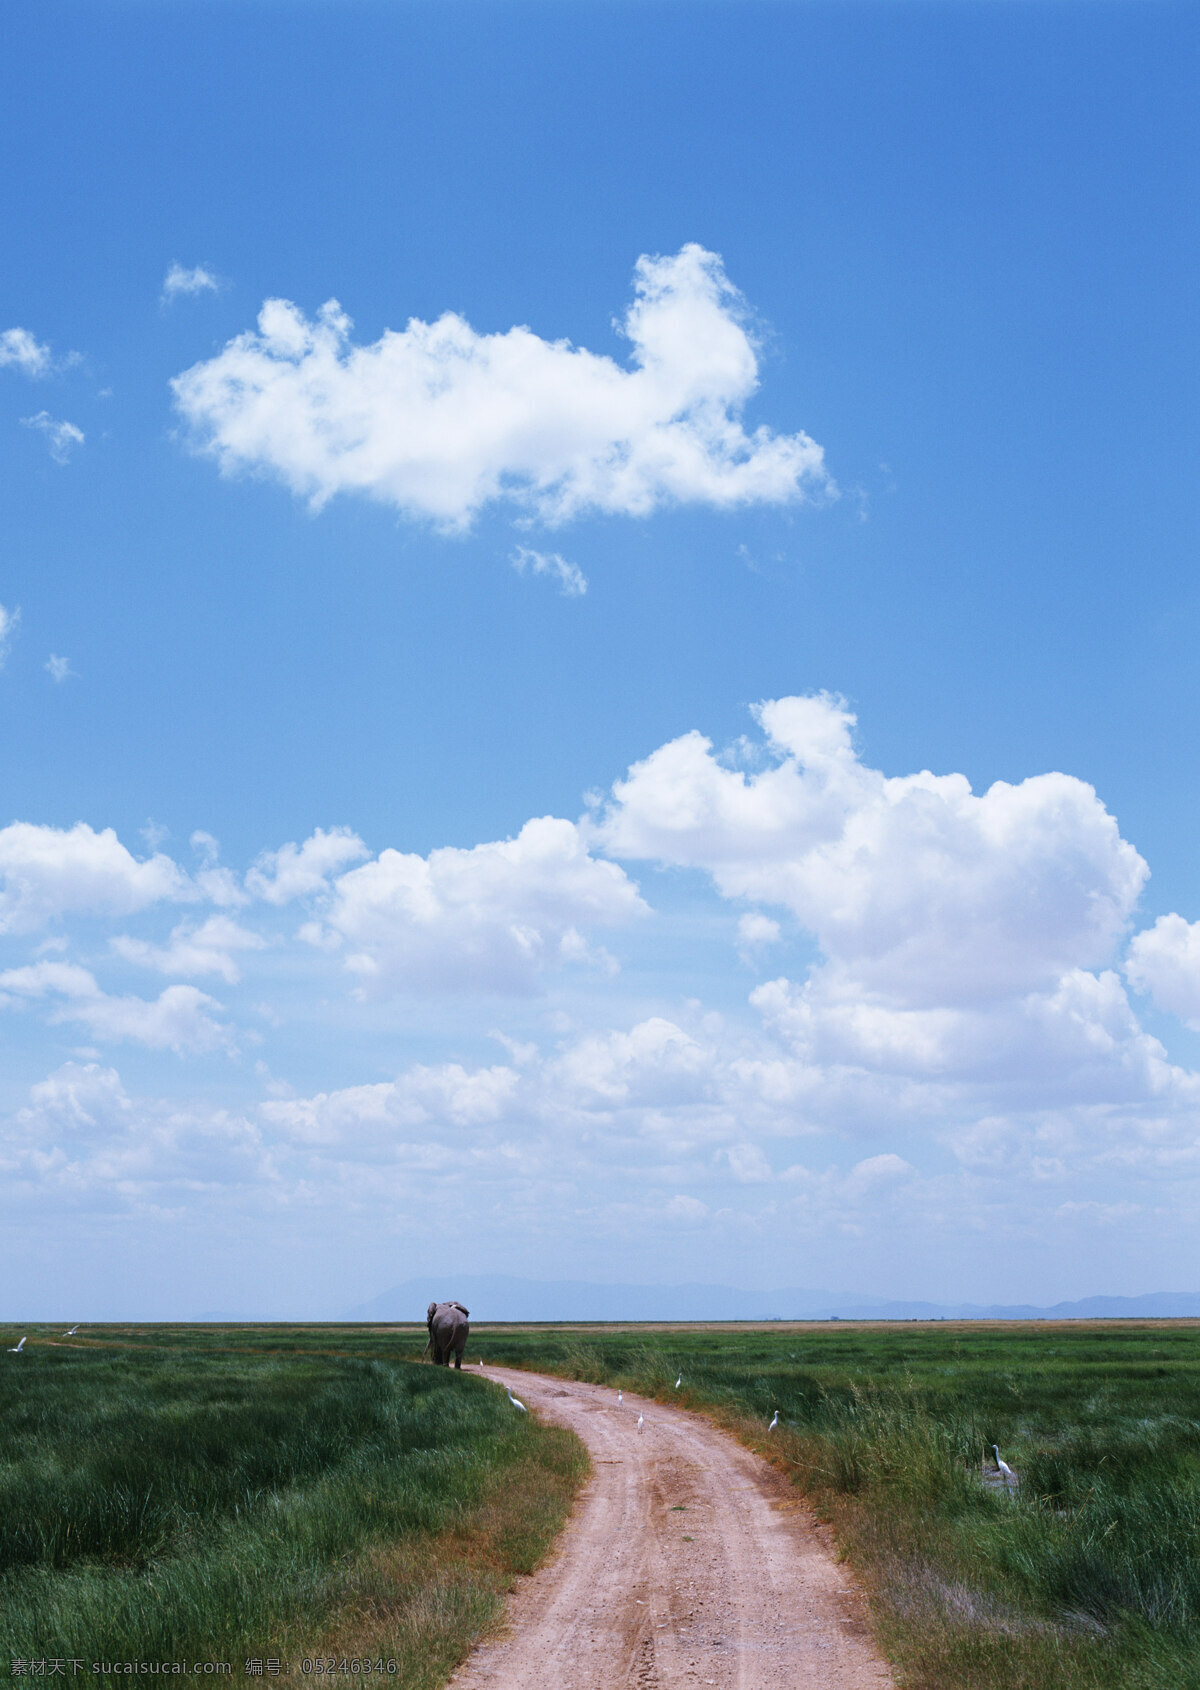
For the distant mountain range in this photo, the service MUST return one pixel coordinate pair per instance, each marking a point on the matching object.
(499, 1297)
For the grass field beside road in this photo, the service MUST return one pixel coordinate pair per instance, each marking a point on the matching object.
(1088, 1577)
(302, 1496)
(200, 1494)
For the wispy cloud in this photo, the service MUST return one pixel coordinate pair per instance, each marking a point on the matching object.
(439, 420)
(8, 627)
(572, 582)
(180, 280)
(61, 436)
(59, 668)
(178, 1019)
(205, 949)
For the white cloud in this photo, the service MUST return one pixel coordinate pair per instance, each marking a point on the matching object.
(48, 872)
(85, 1144)
(572, 582)
(219, 885)
(655, 1064)
(489, 919)
(686, 1211)
(756, 933)
(964, 1011)
(1079, 1042)
(748, 1164)
(206, 847)
(205, 949)
(448, 1098)
(58, 668)
(19, 349)
(61, 436)
(303, 871)
(177, 1020)
(180, 280)
(1165, 962)
(919, 891)
(884, 1169)
(8, 627)
(439, 420)
(78, 1099)
(964, 938)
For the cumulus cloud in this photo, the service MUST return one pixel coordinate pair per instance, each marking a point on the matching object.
(303, 871)
(78, 1100)
(572, 582)
(965, 939)
(205, 949)
(61, 437)
(965, 1005)
(439, 420)
(48, 872)
(655, 1064)
(447, 1097)
(1164, 961)
(84, 1142)
(177, 1020)
(488, 918)
(21, 350)
(918, 890)
(180, 280)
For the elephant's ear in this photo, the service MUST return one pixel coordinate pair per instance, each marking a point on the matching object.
(430, 1312)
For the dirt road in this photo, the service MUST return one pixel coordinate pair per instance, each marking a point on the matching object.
(688, 1561)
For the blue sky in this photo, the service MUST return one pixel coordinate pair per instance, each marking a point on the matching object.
(688, 359)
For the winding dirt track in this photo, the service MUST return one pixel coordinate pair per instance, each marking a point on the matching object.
(687, 1561)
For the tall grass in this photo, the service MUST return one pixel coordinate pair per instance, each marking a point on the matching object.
(1088, 1576)
(176, 1504)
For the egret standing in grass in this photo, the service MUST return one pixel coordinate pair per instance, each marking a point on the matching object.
(515, 1402)
(679, 1381)
(774, 1422)
(1010, 1478)
(17, 1348)
(641, 1421)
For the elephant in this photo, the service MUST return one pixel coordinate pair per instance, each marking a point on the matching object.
(448, 1328)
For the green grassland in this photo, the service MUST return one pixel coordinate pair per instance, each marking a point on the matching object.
(239, 1492)
(1088, 1576)
(217, 1495)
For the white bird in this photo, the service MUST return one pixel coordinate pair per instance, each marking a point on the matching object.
(71, 1333)
(641, 1421)
(620, 1398)
(679, 1381)
(17, 1348)
(774, 1422)
(515, 1403)
(1010, 1478)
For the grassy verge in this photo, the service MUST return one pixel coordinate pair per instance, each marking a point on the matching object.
(186, 1503)
(1088, 1577)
